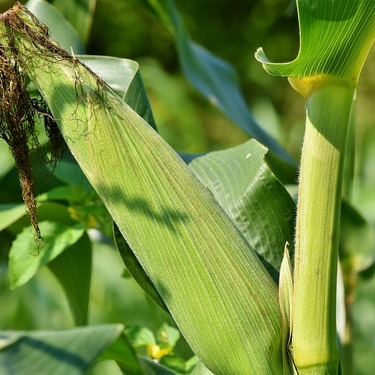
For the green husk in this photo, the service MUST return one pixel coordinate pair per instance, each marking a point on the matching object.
(199, 263)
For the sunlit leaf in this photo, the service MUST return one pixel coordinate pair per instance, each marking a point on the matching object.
(255, 200)
(335, 38)
(199, 263)
(25, 258)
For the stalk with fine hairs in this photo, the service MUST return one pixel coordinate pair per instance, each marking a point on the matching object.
(314, 341)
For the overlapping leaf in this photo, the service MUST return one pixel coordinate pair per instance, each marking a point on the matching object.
(189, 248)
(54, 352)
(252, 197)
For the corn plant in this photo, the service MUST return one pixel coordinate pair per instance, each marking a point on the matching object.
(210, 238)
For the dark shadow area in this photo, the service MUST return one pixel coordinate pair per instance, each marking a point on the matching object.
(167, 216)
(13, 354)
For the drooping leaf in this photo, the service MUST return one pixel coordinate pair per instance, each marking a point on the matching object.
(73, 270)
(80, 14)
(214, 78)
(191, 251)
(253, 198)
(335, 38)
(60, 29)
(25, 259)
(64, 352)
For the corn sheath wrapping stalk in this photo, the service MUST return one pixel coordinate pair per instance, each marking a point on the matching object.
(193, 254)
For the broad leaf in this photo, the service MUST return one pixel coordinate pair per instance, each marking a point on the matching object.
(199, 263)
(54, 352)
(25, 259)
(73, 270)
(252, 197)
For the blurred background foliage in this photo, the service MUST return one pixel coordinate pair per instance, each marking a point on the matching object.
(232, 31)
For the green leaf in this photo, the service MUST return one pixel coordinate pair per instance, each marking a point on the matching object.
(70, 351)
(73, 270)
(139, 336)
(252, 197)
(124, 78)
(69, 172)
(154, 368)
(80, 14)
(60, 29)
(286, 302)
(200, 369)
(123, 353)
(335, 38)
(50, 211)
(25, 259)
(213, 77)
(10, 213)
(71, 193)
(192, 252)
(7, 161)
(168, 335)
(173, 362)
(356, 238)
(135, 269)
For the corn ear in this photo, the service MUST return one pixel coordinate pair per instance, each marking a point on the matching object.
(212, 282)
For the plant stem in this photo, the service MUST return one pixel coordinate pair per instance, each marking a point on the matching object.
(314, 341)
